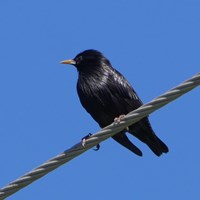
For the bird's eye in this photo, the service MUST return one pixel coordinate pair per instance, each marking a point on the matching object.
(79, 59)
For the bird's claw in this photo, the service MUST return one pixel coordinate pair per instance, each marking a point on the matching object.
(117, 120)
(85, 138)
(97, 147)
(84, 141)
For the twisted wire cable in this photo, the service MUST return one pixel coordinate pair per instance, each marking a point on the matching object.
(100, 136)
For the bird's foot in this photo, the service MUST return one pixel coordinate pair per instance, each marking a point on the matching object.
(85, 138)
(97, 147)
(84, 141)
(127, 129)
(117, 120)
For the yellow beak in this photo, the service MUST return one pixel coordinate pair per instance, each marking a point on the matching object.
(70, 62)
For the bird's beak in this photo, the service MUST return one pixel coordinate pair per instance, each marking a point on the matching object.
(70, 62)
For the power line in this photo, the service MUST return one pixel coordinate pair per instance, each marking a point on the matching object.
(100, 136)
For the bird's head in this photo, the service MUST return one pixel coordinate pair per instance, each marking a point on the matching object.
(88, 60)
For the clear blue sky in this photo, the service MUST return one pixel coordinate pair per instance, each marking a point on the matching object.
(155, 44)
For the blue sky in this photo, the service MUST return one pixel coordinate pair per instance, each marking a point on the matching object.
(155, 44)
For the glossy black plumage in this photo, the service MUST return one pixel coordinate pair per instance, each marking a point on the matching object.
(106, 94)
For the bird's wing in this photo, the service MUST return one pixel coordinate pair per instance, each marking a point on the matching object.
(108, 96)
(123, 93)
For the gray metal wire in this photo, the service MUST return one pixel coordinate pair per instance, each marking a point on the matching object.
(100, 136)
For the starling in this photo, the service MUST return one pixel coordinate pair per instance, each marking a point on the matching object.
(107, 95)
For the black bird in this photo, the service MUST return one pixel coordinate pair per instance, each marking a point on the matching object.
(106, 95)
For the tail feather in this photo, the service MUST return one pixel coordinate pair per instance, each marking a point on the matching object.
(144, 132)
(157, 146)
(122, 139)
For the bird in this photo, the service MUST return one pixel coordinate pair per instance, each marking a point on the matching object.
(107, 95)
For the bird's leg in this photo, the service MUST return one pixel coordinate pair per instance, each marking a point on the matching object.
(117, 120)
(84, 141)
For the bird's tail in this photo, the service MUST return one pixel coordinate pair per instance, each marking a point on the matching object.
(122, 139)
(157, 145)
(143, 131)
